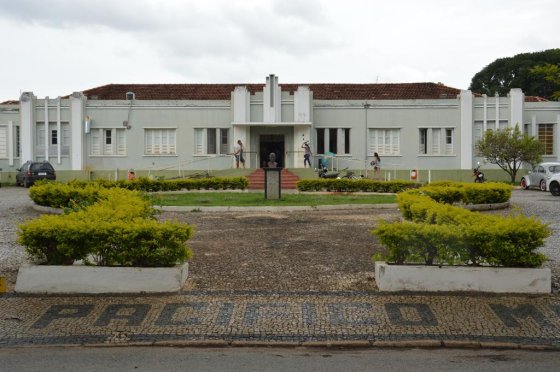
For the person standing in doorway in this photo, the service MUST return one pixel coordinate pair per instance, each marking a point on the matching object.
(306, 154)
(238, 153)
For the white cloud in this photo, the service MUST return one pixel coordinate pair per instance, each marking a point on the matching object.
(54, 47)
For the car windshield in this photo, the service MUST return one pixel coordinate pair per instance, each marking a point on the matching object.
(41, 166)
(554, 169)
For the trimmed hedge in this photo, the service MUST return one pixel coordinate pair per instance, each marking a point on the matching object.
(348, 185)
(152, 185)
(117, 229)
(439, 233)
(83, 193)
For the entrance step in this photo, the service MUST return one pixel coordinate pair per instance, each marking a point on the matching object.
(288, 180)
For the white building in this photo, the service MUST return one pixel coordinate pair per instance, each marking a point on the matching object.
(154, 126)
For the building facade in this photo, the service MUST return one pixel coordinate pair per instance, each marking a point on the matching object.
(195, 126)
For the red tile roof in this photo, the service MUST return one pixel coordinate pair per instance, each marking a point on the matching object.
(320, 91)
(535, 99)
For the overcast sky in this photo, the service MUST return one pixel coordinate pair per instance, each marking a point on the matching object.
(56, 47)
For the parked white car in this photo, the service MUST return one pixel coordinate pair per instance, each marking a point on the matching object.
(553, 184)
(537, 178)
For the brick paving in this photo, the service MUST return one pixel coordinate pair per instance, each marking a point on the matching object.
(292, 318)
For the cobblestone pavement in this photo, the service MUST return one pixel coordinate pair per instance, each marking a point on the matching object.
(293, 317)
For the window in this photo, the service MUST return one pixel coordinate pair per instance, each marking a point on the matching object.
(423, 141)
(384, 141)
(159, 141)
(18, 142)
(54, 137)
(211, 141)
(4, 141)
(491, 125)
(198, 138)
(346, 140)
(546, 137)
(104, 141)
(436, 141)
(320, 141)
(224, 141)
(449, 141)
(333, 140)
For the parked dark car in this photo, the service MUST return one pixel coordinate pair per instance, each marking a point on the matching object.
(33, 171)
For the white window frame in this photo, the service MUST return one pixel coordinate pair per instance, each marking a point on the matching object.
(160, 141)
(200, 141)
(436, 141)
(384, 141)
(98, 141)
(449, 141)
(4, 144)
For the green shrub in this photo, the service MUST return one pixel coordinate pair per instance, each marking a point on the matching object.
(117, 229)
(141, 243)
(348, 185)
(440, 232)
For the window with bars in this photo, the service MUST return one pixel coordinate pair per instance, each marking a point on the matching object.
(546, 137)
(159, 141)
(384, 141)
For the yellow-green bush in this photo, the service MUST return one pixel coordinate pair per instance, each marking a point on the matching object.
(348, 185)
(117, 229)
(442, 233)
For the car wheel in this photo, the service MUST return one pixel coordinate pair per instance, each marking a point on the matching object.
(26, 183)
(523, 184)
(542, 185)
(555, 188)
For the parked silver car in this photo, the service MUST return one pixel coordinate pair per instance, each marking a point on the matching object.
(553, 184)
(538, 177)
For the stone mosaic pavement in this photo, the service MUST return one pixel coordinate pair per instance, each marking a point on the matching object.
(286, 318)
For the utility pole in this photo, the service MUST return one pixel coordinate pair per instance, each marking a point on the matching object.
(366, 107)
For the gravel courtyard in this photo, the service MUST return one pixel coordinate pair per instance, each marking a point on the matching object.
(295, 251)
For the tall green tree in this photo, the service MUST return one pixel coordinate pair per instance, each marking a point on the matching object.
(509, 148)
(551, 73)
(516, 72)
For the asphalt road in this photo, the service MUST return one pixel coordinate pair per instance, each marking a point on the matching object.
(274, 359)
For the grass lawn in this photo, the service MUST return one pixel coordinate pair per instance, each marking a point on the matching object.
(235, 199)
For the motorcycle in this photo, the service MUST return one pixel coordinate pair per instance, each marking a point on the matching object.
(323, 170)
(478, 175)
(350, 175)
(325, 173)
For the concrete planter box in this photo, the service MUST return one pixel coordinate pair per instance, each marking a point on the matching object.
(100, 279)
(461, 278)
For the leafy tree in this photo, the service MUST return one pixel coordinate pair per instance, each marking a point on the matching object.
(551, 73)
(509, 148)
(516, 72)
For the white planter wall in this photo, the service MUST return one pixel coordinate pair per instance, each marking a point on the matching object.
(100, 279)
(461, 278)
